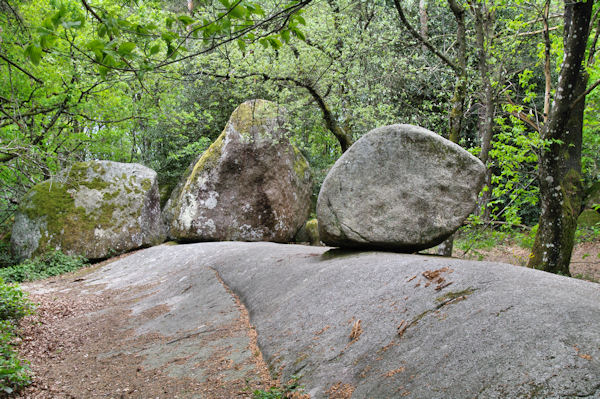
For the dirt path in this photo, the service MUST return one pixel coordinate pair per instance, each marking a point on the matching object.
(82, 343)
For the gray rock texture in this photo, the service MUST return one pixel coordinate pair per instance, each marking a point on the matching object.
(375, 324)
(95, 209)
(399, 187)
(251, 184)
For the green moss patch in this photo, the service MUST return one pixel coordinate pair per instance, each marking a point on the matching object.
(208, 160)
(452, 295)
(253, 114)
(300, 163)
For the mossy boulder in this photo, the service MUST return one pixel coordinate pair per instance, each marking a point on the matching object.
(95, 209)
(399, 187)
(588, 218)
(251, 184)
(309, 233)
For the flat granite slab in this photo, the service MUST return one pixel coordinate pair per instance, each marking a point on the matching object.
(370, 324)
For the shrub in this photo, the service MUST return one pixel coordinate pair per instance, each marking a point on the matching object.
(14, 305)
(13, 302)
(47, 265)
(6, 258)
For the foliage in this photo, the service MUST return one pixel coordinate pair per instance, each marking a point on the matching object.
(588, 233)
(13, 302)
(289, 390)
(47, 265)
(475, 237)
(514, 163)
(6, 258)
(14, 305)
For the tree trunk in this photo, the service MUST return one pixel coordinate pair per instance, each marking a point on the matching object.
(560, 177)
(487, 99)
(423, 21)
(457, 112)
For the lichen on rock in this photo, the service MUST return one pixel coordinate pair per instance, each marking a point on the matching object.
(93, 209)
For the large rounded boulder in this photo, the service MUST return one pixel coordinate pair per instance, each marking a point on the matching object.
(95, 209)
(399, 187)
(251, 184)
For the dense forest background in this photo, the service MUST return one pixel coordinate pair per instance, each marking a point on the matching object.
(154, 82)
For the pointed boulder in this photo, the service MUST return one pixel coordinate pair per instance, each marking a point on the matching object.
(251, 184)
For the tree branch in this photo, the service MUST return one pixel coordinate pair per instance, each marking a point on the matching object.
(21, 69)
(522, 116)
(584, 94)
(425, 42)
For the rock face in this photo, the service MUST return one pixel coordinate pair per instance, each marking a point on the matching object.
(251, 184)
(399, 187)
(371, 324)
(94, 209)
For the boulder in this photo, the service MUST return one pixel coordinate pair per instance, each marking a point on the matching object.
(251, 184)
(399, 187)
(95, 209)
(588, 218)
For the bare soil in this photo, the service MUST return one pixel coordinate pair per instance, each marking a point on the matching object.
(67, 340)
(585, 261)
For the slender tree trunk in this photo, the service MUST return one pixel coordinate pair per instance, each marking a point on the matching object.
(457, 111)
(423, 21)
(487, 98)
(560, 177)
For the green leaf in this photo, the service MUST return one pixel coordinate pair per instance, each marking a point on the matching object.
(241, 45)
(171, 51)
(102, 30)
(300, 19)
(95, 44)
(109, 60)
(48, 24)
(126, 48)
(58, 16)
(72, 24)
(275, 43)
(34, 53)
(238, 12)
(169, 22)
(154, 49)
(298, 33)
(264, 42)
(103, 71)
(186, 20)
(285, 35)
(47, 41)
(225, 3)
(168, 37)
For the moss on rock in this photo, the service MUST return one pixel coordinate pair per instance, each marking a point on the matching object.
(301, 166)
(254, 114)
(588, 218)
